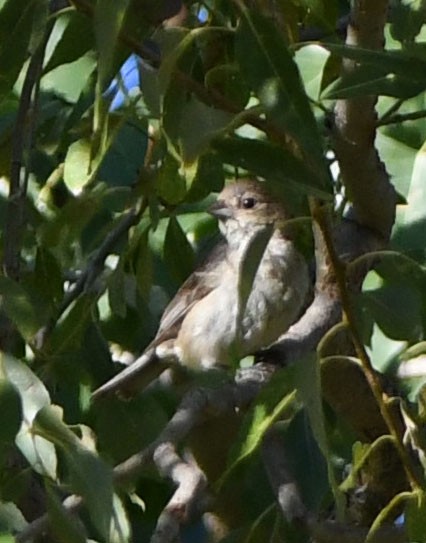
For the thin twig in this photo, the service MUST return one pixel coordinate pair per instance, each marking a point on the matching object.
(93, 269)
(398, 118)
(22, 142)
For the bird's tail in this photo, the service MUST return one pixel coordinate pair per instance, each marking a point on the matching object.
(134, 378)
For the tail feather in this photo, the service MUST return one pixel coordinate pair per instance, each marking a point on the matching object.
(134, 378)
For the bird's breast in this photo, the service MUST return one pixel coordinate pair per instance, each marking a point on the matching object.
(215, 333)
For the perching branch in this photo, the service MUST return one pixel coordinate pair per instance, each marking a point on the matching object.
(195, 407)
(190, 484)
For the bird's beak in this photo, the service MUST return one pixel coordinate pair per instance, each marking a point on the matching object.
(220, 210)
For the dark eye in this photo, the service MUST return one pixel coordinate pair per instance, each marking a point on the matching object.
(248, 203)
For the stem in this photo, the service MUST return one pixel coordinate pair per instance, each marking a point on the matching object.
(22, 142)
(320, 216)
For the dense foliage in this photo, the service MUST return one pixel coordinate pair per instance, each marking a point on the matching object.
(105, 179)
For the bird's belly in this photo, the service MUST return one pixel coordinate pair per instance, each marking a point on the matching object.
(216, 333)
(207, 335)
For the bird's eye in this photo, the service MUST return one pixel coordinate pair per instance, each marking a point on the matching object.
(248, 203)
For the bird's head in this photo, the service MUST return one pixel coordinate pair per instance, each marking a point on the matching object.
(247, 205)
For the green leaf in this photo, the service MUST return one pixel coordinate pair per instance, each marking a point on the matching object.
(209, 177)
(76, 38)
(19, 308)
(397, 310)
(415, 520)
(311, 61)
(16, 25)
(116, 291)
(144, 265)
(48, 278)
(177, 45)
(120, 531)
(90, 477)
(169, 183)
(276, 400)
(150, 89)
(39, 452)
(191, 124)
(273, 162)
(69, 331)
(125, 155)
(394, 61)
(64, 527)
(109, 17)
(77, 165)
(10, 411)
(407, 18)
(11, 520)
(73, 83)
(308, 382)
(369, 79)
(322, 12)
(226, 79)
(384, 350)
(392, 73)
(409, 231)
(273, 74)
(66, 227)
(178, 252)
(399, 158)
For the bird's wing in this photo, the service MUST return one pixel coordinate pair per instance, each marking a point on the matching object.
(198, 285)
(149, 365)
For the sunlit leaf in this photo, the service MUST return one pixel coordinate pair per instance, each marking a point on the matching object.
(120, 531)
(38, 451)
(11, 520)
(277, 399)
(271, 71)
(75, 40)
(77, 165)
(90, 476)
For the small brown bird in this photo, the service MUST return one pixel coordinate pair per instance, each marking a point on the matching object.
(248, 292)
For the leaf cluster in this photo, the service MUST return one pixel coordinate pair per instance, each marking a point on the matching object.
(103, 207)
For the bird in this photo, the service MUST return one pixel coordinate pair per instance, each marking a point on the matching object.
(250, 289)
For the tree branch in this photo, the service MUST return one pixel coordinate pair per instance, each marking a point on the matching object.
(355, 120)
(191, 485)
(22, 143)
(195, 407)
